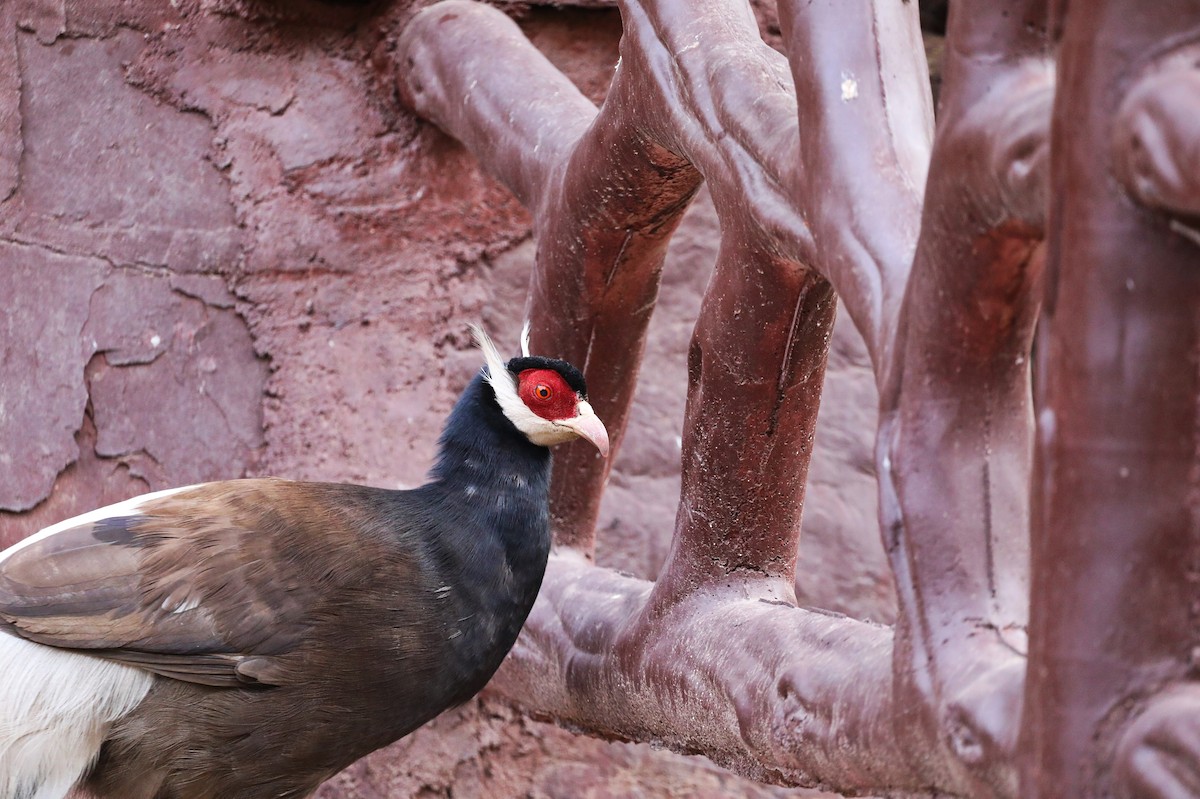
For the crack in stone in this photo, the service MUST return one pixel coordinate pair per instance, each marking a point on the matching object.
(6, 24)
(16, 240)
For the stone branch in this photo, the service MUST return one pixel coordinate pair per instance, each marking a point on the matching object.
(775, 692)
(718, 96)
(866, 124)
(755, 370)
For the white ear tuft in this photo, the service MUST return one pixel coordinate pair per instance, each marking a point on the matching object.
(503, 382)
(525, 339)
(495, 361)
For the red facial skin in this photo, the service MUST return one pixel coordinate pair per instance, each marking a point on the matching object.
(546, 393)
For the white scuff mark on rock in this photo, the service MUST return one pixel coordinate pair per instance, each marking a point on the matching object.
(849, 87)
(1188, 232)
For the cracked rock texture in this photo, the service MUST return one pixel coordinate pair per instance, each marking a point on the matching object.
(225, 251)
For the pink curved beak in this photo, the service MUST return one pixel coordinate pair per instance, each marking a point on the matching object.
(587, 425)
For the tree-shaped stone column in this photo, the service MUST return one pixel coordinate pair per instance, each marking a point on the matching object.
(825, 172)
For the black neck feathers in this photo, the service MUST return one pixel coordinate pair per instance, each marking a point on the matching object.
(490, 499)
(491, 484)
(478, 437)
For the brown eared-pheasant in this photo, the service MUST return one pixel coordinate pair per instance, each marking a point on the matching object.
(248, 639)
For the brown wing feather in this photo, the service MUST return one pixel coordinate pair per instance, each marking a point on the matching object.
(205, 585)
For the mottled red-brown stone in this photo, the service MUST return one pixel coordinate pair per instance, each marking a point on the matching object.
(108, 233)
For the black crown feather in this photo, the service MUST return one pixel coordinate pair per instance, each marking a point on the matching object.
(569, 373)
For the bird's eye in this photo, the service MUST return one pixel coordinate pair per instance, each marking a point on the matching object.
(542, 391)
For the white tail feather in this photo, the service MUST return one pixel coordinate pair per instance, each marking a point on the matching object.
(55, 708)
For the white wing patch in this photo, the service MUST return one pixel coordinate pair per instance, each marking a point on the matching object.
(174, 607)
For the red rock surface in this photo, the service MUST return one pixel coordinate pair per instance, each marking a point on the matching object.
(225, 251)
